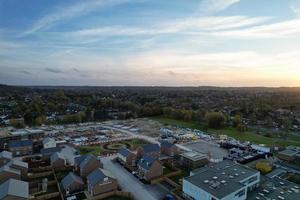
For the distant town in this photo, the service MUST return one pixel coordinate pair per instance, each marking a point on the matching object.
(152, 143)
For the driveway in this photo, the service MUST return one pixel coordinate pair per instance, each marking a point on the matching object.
(130, 183)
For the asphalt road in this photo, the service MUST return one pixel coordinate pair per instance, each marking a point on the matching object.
(130, 183)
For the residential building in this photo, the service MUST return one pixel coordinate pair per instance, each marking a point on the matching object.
(86, 164)
(101, 181)
(127, 158)
(226, 180)
(168, 148)
(193, 160)
(13, 189)
(290, 154)
(5, 157)
(72, 183)
(19, 165)
(149, 168)
(57, 160)
(20, 147)
(47, 152)
(152, 150)
(7, 173)
(49, 143)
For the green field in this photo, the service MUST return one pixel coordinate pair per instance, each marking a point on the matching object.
(232, 132)
(95, 149)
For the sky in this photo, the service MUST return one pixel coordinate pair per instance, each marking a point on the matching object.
(150, 42)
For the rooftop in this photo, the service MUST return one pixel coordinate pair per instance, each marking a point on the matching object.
(193, 155)
(19, 143)
(14, 187)
(276, 188)
(221, 179)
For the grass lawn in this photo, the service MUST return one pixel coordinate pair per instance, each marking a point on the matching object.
(135, 143)
(295, 178)
(167, 170)
(96, 149)
(232, 132)
(183, 174)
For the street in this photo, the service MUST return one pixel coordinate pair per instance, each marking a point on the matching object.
(130, 183)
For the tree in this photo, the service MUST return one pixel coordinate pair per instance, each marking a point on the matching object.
(237, 120)
(16, 123)
(215, 120)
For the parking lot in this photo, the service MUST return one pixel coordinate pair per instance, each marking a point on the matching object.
(212, 150)
(130, 183)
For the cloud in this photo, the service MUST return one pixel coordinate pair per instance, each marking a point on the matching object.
(295, 9)
(214, 6)
(25, 72)
(66, 13)
(285, 29)
(190, 25)
(57, 71)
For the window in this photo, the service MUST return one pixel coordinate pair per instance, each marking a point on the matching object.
(251, 180)
(240, 193)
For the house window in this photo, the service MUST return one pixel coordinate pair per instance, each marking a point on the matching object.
(240, 193)
(251, 180)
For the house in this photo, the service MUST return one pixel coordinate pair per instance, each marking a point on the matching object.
(168, 148)
(101, 181)
(225, 180)
(14, 190)
(49, 143)
(72, 183)
(127, 158)
(86, 164)
(5, 157)
(46, 153)
(19, 165)
(152, 150)
(289, 154)
(57, 160)
(7, 173)
(192, 160)
(20, 147)
(149, 168)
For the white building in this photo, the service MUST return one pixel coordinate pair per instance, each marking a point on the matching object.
(221, 181)
(49, 143)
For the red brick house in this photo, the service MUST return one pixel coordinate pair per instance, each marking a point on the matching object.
(152, 150)
(149, 168)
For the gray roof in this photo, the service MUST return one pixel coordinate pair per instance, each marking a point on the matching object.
(7, 168)
(48, 139)
(56, 156)
(6, 154)
(70, 179)
(18, 163)
(289, 152)
(82, 161)
(272, 188)
(49, 151)
(97, 176)
(166, 144)
(20, 143)
(221, 179)
(148, 148)
(124, 152)
(146, 162)
(206, 182)
(14, 188)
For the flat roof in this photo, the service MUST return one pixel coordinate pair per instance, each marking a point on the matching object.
(193, 155)
(217, 185)
(276, 188)
(221, 179)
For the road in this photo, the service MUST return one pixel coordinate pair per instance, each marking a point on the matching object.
(130, 183)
